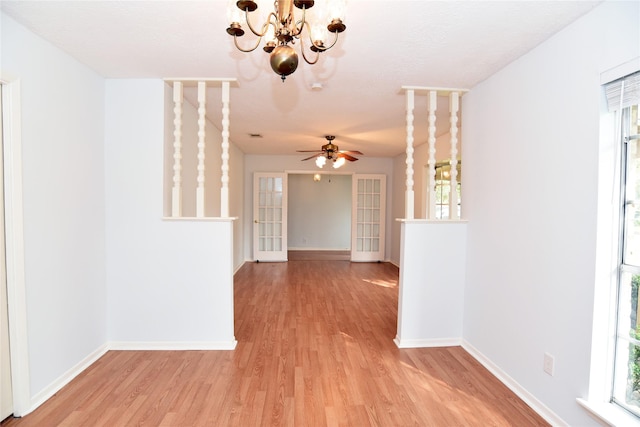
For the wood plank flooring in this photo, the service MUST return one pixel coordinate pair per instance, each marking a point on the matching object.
(314, 349)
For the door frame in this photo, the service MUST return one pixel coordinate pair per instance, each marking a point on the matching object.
(272, 256)
(379, 256)
(353, 174)
(14, 237)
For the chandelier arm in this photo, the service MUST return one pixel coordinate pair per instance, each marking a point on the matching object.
(265, 26)
(304, 55)
(323, 48)
(300, 24)
(241, 49)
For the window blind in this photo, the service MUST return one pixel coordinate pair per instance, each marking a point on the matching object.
(623, 92)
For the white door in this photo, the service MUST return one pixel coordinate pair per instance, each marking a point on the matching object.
(6, 395)
(368, 217)
(270, 216)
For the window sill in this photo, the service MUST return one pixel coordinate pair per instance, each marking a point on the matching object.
(609, 413)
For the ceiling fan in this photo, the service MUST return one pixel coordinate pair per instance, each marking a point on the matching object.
(330, 151)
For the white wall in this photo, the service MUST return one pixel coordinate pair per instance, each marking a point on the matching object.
(530, 195)
(236, 203)
(430, 303)
(397, 207)
(319, 214)
(292, 164)
(168, 281)
(64, 216)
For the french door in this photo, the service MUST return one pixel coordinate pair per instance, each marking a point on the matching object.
(368, 217)
(270, 216)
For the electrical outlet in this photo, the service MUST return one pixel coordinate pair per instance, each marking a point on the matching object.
(547, 365)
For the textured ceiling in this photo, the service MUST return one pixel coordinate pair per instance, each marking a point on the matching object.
(387, 45)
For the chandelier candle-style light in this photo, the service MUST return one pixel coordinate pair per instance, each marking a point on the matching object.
(283, 27)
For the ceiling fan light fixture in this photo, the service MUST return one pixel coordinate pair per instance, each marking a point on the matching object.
(330, 151)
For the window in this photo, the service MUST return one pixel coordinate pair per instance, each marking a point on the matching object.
(443, 188)
(623, 96)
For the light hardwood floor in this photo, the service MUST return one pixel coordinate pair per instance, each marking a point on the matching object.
(315, 348)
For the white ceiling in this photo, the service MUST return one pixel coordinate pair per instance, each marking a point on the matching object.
(388, 44)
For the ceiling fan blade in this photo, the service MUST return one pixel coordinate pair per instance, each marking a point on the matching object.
(309, 151)
(347, 156)
(309, 158)
(353, 152)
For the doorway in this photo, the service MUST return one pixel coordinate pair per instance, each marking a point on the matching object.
(6, 391)
(13, 260)
(319, 215)
(306, 212)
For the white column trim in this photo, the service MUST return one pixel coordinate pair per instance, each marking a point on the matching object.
(409, 194)
(16, 289)
(176, 193)
(224, 191)
(431, 169)
(202, 111)
(454, 105)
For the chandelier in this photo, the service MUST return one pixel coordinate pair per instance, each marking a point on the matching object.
(283, 27)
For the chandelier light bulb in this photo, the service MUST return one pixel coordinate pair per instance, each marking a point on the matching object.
(319, 34)
(234, 15)
(337, 9)
(270, 36)
(338, 162)
(320, 161)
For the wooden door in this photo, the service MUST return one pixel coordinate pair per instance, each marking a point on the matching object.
(368, 217)
(270, 216)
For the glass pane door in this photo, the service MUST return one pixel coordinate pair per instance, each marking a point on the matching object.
(270, 217)
(368, 218)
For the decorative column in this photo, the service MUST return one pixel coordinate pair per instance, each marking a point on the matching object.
(176, 193)
(202, 98)
(431, 172)
(454, 100)
(224, 192)
(409, 195)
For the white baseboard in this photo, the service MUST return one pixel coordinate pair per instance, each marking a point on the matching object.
(424, 343)
(66, 378)
(239, 267)
(170, 345)
(309, 248)
(513, 385)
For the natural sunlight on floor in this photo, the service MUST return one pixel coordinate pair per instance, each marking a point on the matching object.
(383, 283)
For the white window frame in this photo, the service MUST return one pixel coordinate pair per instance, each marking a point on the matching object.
(598, 401)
